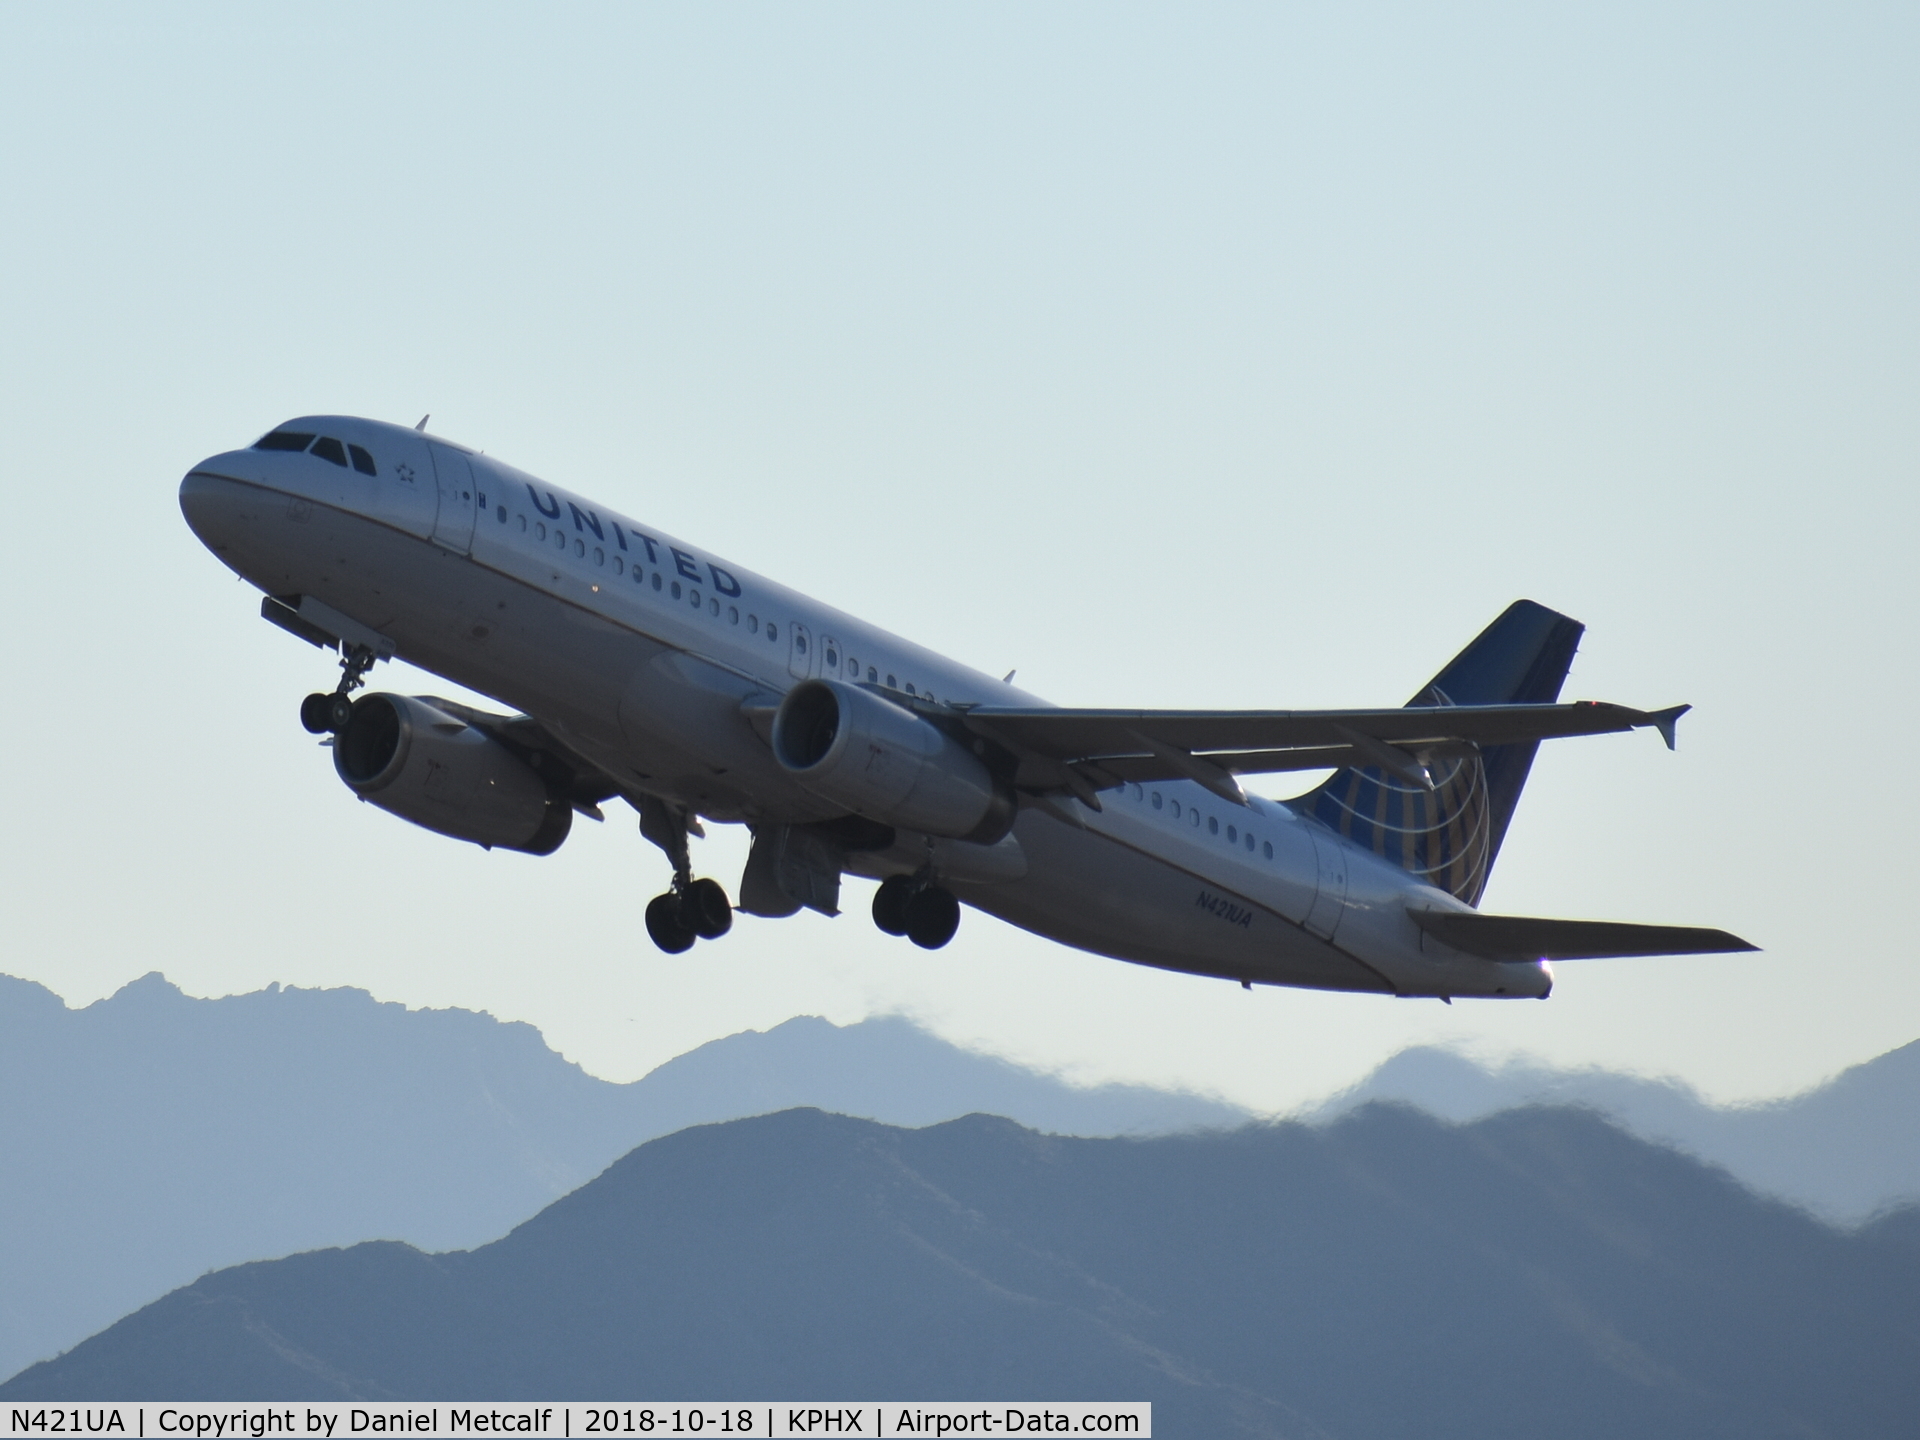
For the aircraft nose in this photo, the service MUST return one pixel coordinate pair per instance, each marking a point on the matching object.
(212, 506)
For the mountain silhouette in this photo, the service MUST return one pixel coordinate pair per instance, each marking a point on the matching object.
(1537, 1273)
(1844, 1150)
(152, 1137)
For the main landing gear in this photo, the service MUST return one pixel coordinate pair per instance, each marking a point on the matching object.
(322, 714)
(692, 909)
(913, 906)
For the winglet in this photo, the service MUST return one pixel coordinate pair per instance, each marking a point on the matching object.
(1665, 721)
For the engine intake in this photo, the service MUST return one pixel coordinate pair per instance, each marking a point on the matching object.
(878, 759)
(420, 763)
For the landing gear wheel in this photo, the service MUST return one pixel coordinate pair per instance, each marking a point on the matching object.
(932, 917)
(339, 711)
(705, 910)
(315, 712)
(890, 903)
(666, 927)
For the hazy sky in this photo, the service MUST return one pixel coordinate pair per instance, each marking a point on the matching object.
(1179, 356)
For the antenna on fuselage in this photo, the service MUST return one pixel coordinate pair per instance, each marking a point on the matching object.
(1007, 679)
(423, 421)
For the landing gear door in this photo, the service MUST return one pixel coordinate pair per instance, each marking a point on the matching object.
(453, 527)
(800, 652)
(1330, 895)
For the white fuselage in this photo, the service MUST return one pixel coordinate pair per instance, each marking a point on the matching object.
(652, 658)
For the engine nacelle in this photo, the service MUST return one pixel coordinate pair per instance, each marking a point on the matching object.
(423, 765)
(880, 760)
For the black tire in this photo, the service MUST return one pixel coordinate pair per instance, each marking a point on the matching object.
(339, 711)
(314, 713)
(890, 903)
(932, 917)
(669, 932)
(705, 909)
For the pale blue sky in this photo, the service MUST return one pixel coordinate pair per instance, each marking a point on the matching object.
(1223, 356)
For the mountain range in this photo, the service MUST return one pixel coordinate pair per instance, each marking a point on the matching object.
(1844, 1150)
(1539, 1272)
(152, 1137)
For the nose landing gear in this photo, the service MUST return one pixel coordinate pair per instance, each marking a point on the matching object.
(321, 713)
(692, 909)
(911, 905)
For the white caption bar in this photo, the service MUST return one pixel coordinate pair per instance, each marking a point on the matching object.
(341, 1420)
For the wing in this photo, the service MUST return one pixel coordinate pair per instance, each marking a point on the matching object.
(1524, 937)
(1085, 751)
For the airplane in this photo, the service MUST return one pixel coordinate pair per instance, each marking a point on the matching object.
(641, 667)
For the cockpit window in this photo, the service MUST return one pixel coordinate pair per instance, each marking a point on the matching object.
(328, 448)
(283, 440)
(362, 461)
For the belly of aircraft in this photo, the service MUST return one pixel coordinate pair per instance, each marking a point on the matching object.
(1098, 894)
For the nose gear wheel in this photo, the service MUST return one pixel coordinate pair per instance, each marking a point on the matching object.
(320, 712)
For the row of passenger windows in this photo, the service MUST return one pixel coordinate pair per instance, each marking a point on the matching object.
(873, 673)
(1235, 836)
(661, 581)
(323, 447)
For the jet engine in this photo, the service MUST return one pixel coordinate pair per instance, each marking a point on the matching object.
(880, 760)
(400, 753)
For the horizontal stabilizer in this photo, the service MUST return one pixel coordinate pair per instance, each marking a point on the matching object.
(1527, 937)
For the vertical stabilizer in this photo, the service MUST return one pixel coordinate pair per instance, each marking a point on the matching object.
(1451, 835)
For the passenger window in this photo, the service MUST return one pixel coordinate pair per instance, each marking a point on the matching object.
(799, 642)
(283, 440)
(872, 675)
(753, 624)
(1174, 806)
(892, 684)
(619, 566)
(656, 583)
(1249, 842)
(500, 514)
(1213, 824)
(695, 595)
(1138, 794)
(773, 631)
(579, 549)
(330, 450)
(559, 539)
(1233, 836)
(910, 689)
(676, 589)
(1196, 818)
(599, 556)
(539, 531)
(713, 608)
(833, 659)
(733, 614)
(1156, 799)
(1266, 847)
(363, 462)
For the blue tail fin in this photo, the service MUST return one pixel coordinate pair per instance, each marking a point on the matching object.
(1451, 835)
